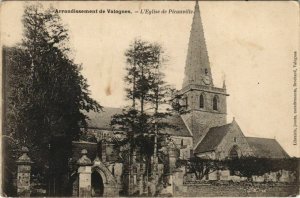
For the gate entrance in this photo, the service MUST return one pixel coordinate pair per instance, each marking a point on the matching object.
(97, 185)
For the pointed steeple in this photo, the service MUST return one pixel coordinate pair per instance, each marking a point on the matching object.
(197, 67)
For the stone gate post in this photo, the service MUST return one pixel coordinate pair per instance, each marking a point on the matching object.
(84, 171)
(172, 158)
(23, 176)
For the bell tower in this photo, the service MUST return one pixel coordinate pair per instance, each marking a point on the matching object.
(205, 103)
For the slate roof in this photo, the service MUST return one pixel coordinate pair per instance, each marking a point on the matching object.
(180, 130)
(266, 148)
(262, 147)
(101, 120)
(213, 138)
(203, 129)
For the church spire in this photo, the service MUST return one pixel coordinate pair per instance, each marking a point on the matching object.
(197, 67)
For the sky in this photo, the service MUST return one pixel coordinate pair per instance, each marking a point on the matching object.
(250, 44)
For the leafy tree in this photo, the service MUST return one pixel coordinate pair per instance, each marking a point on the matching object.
(201, 167)
(248, 166)
(47, 93)
(149, 96)
(141, 58)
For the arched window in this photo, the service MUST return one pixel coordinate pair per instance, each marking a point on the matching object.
(215, 103)
(201, 101)
(233, 154)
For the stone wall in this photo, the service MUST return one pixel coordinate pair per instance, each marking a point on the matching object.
(234, 137)
(238, 190)
(207, 155)
(199, 122)
(185, 144)
(194, 101)
(117, 170)
(281, 176)
(221, 183)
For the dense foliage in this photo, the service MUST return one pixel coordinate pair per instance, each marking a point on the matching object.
(46, 94)
(258, 166)
(246, 167)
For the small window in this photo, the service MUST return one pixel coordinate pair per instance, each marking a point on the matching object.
(181, 142)
(201, 101)
(206, 71)
(113, 170)
(186, 102)
(215, 103)
(234, 139)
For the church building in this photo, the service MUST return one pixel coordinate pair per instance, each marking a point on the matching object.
(206, 105)
(202, 131)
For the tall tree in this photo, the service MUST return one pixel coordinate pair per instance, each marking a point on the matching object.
(47, 94)
(148, 93)
(134, 119)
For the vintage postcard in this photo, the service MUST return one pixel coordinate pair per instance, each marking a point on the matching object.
(150, 98)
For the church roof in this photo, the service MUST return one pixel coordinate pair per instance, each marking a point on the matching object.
(213, 138)
(261, 147)
(266, 148)
(180, 130)
(101, 120)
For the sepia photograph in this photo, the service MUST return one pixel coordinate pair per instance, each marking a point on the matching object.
(150, 99)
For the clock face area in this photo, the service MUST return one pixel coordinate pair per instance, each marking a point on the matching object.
(206, 78)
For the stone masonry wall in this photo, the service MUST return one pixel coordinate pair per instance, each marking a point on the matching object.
(238, 190)
(185, 144)
(234, 137)
(194, 101)
(199, 123)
